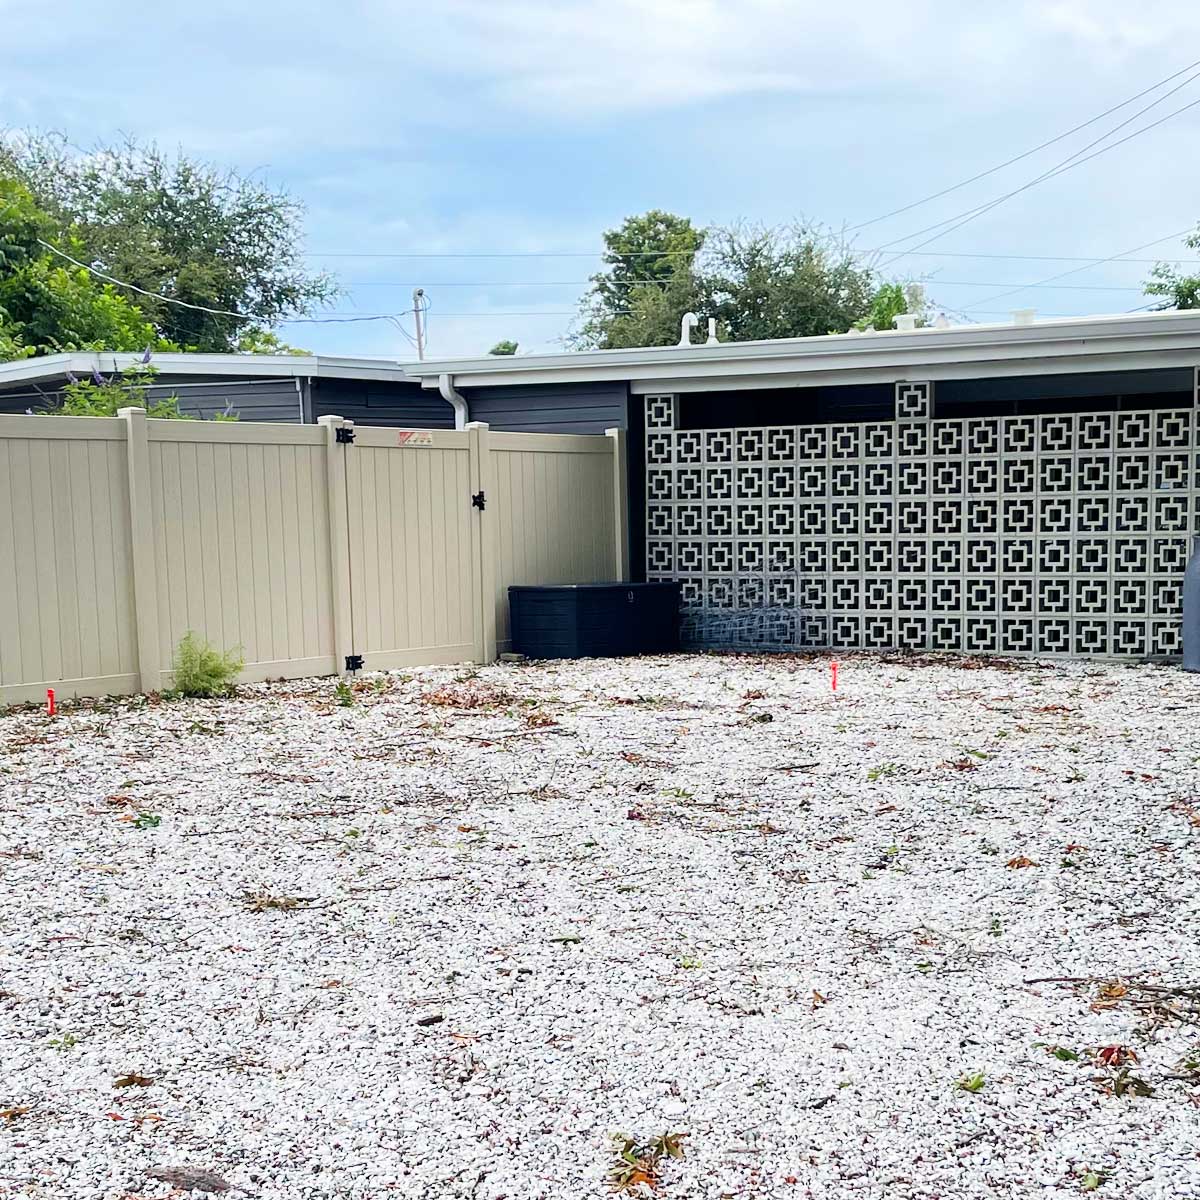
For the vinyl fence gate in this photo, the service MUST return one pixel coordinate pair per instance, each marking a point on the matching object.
(315, 549)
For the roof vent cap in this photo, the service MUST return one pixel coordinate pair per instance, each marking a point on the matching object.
(1023, 316)
(905, 322)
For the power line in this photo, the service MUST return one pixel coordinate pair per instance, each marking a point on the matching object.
(1075, 270)
(1081, 287)
(1065, 165)
(216, 312)
(1026, 154)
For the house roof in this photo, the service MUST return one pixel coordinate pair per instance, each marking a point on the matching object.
(296, 366)
(1077, 344)
(1129, 341)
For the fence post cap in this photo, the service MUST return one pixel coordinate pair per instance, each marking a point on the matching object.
(476, 425)
(131, 411)
(330, 419)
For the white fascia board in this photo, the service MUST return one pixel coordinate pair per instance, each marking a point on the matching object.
(996, 369)
(848, 355)
(241, 366)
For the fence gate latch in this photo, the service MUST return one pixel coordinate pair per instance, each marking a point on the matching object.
(354, 662)
(344, 435)
(479, 500)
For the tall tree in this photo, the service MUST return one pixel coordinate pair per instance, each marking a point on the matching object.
(780, 283)
(758, 283)
(47, 308)
(1177, 290)
(176, 227)
(648, 274)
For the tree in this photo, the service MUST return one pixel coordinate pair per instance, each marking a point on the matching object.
(1178, 290)
(505, 347)
(782, 283)
(177, 227)
(758, 283)
(892, 300)
(46, 308)
(648, 275)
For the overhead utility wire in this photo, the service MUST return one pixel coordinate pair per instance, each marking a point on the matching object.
(1025, 154)
(216, 312)
(1099, 262)
(1067, 164)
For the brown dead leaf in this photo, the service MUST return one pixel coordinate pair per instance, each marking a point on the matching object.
(132, 1080)
(1020, 861)
(818, 1001)
(18, 1110)
(119, 801)
(189, 1177)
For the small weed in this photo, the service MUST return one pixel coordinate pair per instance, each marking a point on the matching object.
(203, 672)
(1062, 1053)
(569, 939)
(1092, 1180)
(68, 1041)
(972, 1083)
(882, 771)
(343, 694)
(979, 754)
(678, 792)
(690, 964)
(995, 929)
(638, 1165)
(147, 820)
(924, 967)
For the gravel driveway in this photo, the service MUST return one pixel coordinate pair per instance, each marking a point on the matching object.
(928, 937)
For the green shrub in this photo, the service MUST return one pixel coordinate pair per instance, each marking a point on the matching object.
(200, 670)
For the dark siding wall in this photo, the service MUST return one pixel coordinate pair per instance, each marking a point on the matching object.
(370, 402)
(252, 400)
(551, 408)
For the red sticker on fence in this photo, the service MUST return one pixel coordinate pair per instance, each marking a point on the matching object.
(414, 437)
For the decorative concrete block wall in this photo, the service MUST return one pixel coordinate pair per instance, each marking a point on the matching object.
(1064, 533)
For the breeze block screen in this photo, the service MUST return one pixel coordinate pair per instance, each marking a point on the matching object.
(1063, 533)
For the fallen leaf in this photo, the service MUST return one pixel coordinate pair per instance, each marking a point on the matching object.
(1020, 861)
(1116, 1056)
(18, 1110)
(187, 1178)
(132, 1080)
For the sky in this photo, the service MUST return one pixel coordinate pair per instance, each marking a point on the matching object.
(520, 130)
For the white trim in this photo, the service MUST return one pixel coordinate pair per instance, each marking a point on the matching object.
(1130, 341)
(966, 347)
(293, 366)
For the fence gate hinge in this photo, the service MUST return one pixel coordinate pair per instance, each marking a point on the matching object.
(479, 500)
(345, 435)
(354, 662)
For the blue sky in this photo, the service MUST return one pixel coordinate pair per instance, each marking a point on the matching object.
(485, 126)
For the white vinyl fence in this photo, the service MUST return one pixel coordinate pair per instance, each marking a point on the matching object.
(305, 546)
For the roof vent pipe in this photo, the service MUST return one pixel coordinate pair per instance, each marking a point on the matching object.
(712, 332)
(905, 322)
(455, 399)
(686, 325)
(1023, 316)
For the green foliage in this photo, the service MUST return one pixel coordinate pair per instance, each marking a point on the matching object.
(646, 286)
(179, 227)
(1177, 289)
(507, 346)
(344, 694)
(263, 341)
(104, 397)
(147, 820)
(47, 307)
(972, 1083)
(202, 671)
(758, 282)
(892, 300)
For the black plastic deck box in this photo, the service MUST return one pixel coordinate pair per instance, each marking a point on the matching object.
(594, 620)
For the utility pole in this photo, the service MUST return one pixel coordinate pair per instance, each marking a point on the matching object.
(419, 319)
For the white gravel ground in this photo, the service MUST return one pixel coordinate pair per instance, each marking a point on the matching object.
(711, 897)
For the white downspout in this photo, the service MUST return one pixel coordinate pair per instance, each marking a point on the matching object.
(455, 399)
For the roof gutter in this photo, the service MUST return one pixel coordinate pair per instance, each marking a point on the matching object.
(455, 399)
